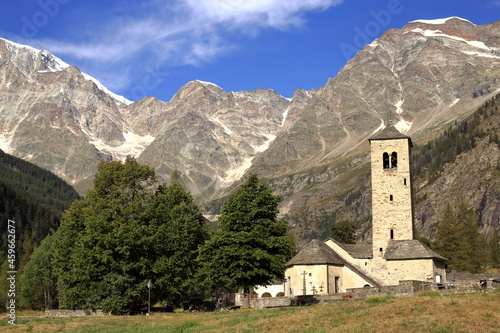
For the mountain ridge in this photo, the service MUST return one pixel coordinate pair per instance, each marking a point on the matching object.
(421, 78)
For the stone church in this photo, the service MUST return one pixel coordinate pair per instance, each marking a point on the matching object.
(332, 267)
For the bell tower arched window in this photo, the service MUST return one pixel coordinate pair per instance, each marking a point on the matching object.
(394, 160)
(385, 159)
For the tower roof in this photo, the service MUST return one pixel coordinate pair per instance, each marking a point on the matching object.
(388, 133)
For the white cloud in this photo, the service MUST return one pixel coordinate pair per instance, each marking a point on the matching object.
(264, 13)
(178, 32)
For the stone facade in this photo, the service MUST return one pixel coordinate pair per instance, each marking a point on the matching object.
(394, 256)
(392, 208)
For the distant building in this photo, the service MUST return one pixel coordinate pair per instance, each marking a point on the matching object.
(331, 267)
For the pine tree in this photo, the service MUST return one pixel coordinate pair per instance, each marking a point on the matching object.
(494, 246)
(459, 240)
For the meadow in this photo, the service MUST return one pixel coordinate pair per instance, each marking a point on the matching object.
(428, 312)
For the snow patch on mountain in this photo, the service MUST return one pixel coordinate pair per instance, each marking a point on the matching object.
(441, 20)
(403, 125)
(134, 145)
(5, 141)
(236, 173)
(439, 33)
(285, 115)
(116, 97)
(54, 64)
(399, 109)
(381, 127)
(263, 147)
(224, 126)
(206, 83)
(481, 54)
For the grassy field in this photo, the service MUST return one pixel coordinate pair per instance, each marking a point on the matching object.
(425, 313)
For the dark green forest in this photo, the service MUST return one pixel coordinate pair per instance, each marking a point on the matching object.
(35, 199)
(429, 160)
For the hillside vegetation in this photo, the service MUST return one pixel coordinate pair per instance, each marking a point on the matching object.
(35, 199)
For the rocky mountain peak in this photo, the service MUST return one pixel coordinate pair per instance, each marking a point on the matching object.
(419, 78)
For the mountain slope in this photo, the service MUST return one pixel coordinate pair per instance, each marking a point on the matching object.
(311, 148)
(35, 199)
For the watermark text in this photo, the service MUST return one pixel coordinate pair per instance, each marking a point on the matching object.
(11, 273)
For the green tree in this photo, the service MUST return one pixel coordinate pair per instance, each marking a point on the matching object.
(122, 235)
(344, 232)
(494, 246)
(177, 228)
(252, 246)
(38, 282)
(458, 239)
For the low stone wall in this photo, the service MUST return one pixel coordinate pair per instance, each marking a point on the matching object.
(72, 313)
(404, 289)
(270, 302)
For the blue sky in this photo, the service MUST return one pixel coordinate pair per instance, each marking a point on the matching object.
(153, 47)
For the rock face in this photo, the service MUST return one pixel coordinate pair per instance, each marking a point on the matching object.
(413, 78)
(212, 136)
(311, 148)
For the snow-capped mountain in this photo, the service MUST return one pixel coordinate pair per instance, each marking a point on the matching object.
(421, 78)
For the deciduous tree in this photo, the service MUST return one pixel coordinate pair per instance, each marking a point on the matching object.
(38, 282)
(251, 247)
(344, 231)
(124, 234)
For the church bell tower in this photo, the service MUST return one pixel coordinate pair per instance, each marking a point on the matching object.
(392, 206)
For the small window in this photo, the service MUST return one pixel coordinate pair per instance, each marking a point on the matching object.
(385, 159)
(391, 197)
(392, 234)
(394, 160)
(381, 249)
(404, 181)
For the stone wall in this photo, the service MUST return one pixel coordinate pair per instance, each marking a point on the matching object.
(404, 289)
(270, 302)
(72, 313)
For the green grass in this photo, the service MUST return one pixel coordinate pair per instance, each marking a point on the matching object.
(458, 313)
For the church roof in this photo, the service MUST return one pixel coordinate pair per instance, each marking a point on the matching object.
(409, 249)
(388, 133)
(314, 253)
(358, 251)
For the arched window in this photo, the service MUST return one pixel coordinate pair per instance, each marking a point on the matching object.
(385, 158)
(280, 294)
(394, 160)
(264, 295)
